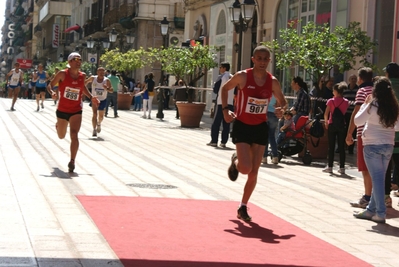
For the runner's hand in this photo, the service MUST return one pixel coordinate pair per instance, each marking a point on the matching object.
(95, 101)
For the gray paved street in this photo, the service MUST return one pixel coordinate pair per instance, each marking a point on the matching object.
(43, 224)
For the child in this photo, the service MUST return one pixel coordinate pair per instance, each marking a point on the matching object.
(378, 114)
(288, 126)
(335, 129)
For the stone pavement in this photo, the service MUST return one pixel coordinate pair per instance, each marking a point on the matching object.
(43, 224)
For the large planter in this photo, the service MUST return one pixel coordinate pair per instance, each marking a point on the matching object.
(124, 101)
(190, 113)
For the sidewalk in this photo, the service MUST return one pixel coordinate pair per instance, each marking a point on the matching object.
(43, 224)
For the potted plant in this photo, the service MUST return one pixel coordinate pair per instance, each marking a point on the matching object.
(129, 61)
(189, 65)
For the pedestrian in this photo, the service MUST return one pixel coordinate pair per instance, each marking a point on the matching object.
(365, 82)
(301, 106)
(137, 96)
(40, 78)
(392, 73)
(14, 80)
(100, 87)
(255, 87)
(113, 96)
(379, 114)
(218, 119)
(350, 94)
(334, 120)
(69, 111)
(179, 95)
(272, 123)
(148, 95)
(166, 93)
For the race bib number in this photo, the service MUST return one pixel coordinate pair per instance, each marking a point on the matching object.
(41, 81)
(99, 91)
(71, 93)
(256, 105)
(15, 79)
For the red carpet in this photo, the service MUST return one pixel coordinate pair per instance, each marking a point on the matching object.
(181, 232)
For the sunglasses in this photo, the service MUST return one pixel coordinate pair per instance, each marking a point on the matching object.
(77, 59)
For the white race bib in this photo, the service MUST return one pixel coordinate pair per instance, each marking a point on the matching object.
(256, 105)
(71, 93)
(99, 91)
(42, 81)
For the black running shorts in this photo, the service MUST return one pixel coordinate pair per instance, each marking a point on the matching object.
(251, 134)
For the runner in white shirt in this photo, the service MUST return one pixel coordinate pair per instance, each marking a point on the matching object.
(14, 83)
(100, 86)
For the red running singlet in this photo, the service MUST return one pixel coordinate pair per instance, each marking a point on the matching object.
(71, 93)
(252, 100)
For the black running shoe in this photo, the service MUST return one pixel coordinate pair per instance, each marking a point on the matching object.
(71, 166)
(243, 214)
(232, 171)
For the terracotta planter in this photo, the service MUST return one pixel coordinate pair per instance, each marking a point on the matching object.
(124, 101)
(190, 114)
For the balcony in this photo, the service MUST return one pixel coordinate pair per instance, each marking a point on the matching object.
(54, 8)
(91, 26)
(37, 31)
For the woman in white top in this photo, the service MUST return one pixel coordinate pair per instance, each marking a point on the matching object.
(378, 114)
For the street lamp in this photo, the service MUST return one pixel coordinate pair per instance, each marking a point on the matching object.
(241, 15)
(61, 58)
(164, 32)
(97, 44)
(48, 62)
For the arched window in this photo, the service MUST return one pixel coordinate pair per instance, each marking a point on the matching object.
(221, 26)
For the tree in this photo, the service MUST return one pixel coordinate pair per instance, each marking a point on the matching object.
(187, 64)
(129, 61)
(317, 49)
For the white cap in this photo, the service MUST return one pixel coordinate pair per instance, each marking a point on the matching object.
(73, 55)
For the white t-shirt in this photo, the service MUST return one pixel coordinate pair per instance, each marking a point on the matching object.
(230, 99)
(373, 133)
(15, 77)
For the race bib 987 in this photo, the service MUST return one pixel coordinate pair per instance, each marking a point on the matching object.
(256, 105)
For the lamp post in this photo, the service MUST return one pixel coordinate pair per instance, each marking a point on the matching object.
(97, 44)
(113, 35)
(61, 58)
(164, 31)
(241, 15)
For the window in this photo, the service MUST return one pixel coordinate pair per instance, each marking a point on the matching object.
(221, 24)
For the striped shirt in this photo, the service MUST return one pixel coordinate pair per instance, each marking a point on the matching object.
(350, 94)
(361, 96)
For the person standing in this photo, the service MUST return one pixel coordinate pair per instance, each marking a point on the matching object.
(365, 82)
(148, 95)
(350, 94)
(218, 116)
(40, 78)
(379, 114)
(336, 129)
(137, 96)
(100, 87)
(14, 80)
(302, 104)
(255, 87)
(113, 96)
(179, 95)
(272, 123)
(69, 111)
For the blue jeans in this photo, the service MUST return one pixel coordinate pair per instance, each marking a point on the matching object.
(272, 122)
(114, 98)
(217, 121)
(137, 102)
(377, 158)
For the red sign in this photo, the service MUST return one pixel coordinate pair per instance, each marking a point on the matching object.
(24, 63)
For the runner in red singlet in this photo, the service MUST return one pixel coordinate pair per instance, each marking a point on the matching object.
(71, 84)
(250, 131)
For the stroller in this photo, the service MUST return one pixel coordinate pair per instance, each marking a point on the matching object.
(296, 141)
